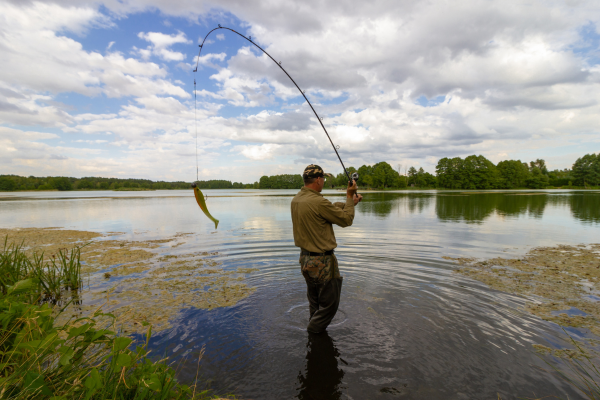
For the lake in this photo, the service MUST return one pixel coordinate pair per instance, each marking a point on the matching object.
(408, 326)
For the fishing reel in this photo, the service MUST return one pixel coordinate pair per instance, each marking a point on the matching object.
(355, 176)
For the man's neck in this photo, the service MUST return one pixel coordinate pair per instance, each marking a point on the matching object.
(314, 187)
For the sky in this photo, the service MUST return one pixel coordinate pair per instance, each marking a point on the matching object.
(106, 87)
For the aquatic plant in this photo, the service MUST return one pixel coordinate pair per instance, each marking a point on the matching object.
(81, 359)
(52, 276)
(584, 372)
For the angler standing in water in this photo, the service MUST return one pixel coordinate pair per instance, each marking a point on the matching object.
(312, 217)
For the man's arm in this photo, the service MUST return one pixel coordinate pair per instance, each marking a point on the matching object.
(342, 216)
(357, 199)
(339, 204)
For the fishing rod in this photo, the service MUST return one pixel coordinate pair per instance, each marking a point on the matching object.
(249, 38)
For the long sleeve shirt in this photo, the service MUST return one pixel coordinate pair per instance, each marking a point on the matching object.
(313, 216)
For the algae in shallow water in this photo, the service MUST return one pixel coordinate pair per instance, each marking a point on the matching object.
(556, 279)
(143, 284)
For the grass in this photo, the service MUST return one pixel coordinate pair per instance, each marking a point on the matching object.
(54, 276)
(82, 359)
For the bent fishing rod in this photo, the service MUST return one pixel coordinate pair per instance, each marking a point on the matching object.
(249, 38)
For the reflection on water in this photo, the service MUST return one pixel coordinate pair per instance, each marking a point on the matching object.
(477, 207)
(322, 378)
(585, 206)
(408, 327)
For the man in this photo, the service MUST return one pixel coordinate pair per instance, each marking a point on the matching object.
(312, 217)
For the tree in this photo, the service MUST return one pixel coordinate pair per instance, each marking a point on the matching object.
(539, 163)
(63, 183)
(384, 176)
(537, 180)
(264, 182)
(412, 176)
(429, 180)
(512, 174)
(586, 170)
(450, 173)
(7, 184)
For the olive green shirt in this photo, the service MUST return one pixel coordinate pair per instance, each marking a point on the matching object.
(313, 216)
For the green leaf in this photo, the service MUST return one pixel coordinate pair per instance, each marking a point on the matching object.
(20, 287)
(123, 360)
(65, 359)
(50, 340)
(35, 382)
(31, 345)
(145, 323)
(99, 333)
(79, 330)
(94, 380)
(122, 343)
(153, 382)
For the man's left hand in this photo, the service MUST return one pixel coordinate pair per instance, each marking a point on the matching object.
(357, 198)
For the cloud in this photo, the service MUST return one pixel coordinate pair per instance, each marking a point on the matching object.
(262, 152)
(161, 43)
(37, 58)
(406, 82)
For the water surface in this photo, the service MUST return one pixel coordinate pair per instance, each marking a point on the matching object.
(408, 327)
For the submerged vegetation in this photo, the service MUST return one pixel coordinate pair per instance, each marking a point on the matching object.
(138, 281)
(80, 358)
(562, 282)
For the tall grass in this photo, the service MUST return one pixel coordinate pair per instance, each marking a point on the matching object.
(53, 276)
(78, 360)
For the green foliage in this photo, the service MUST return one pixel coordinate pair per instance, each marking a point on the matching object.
(380, 176)
(586, 170)
(560, 178)
(477, 172)
(82, 359)
(512, 173)
(50, 277)
(420, 178)
(449, 173)
(14, 182)
(474, 172)
(537, 180)
(286, 181)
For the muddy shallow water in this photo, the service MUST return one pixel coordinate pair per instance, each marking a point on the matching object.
(408, 326)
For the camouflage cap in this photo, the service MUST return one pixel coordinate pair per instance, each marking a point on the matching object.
(314, 171)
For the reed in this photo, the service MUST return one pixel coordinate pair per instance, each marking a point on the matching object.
(54, 276)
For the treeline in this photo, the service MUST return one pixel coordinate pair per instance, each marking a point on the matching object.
(473, 172)
(14, 182)
(380, 175)
(285, 181)
(477, 172)
(377, 176)
(9, 183)
(222, 184)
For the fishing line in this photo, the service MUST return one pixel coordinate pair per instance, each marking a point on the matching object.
(335, 148)
(196, 126)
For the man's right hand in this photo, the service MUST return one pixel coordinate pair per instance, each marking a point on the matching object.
(352, 189)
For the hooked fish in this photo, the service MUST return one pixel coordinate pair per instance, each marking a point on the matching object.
(202, 204)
